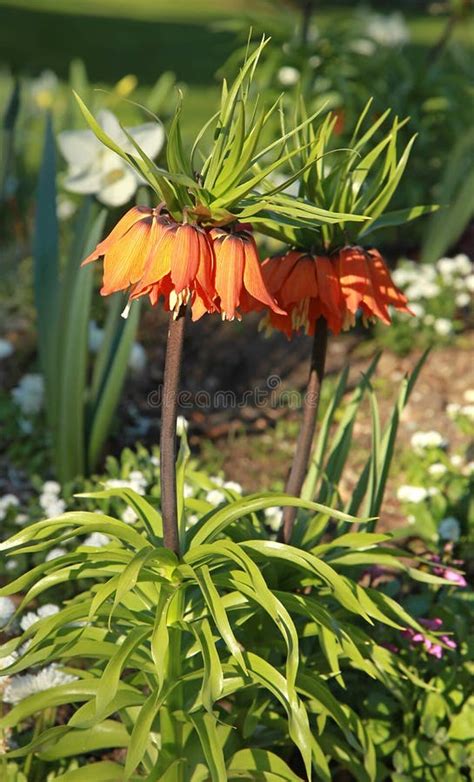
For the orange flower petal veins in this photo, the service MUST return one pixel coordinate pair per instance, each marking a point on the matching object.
(124, 224)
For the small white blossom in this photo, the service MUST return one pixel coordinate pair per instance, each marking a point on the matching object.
(273, 517)
(418, 310)
(7, 501)
(437, 469)
(217, 480)
(136, 481)
(388, 29)
(453, 409)
(129, 516)
(21, 686)
(469, 283)
(155, 460)
(7, 609)
(233, 486)
(469, 395)
(192, 519)
(463, 299)
(463, 264)
(456, 460)
(30, 618)
(137, 359)
(51, 487)
(469, 468)
(449, 529)
(65, 208)
(55, 553)
(182, 426)
(363, 46)
(6, 348)
(215, 497)
(421, 441)
(29, 394)
(96, 170)
(443, 327)
(468, 411)
(414, 494)
(288, 76)
(97, 540)
(188, 491)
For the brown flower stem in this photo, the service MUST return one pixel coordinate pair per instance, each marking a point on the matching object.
(169, 410)
(304, 444)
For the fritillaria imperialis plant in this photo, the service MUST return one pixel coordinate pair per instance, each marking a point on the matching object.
(211, 650)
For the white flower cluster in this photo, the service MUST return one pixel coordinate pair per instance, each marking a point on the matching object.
(388, 29)
(7, 609)
(50, 500)
(136, 481)
(216, 496)
(423, 441)
(30, 618)
(455, 410)
(415, 494)
(29, 394)
(422, 282)
(97, 540)
(21, 686)
(7, 501)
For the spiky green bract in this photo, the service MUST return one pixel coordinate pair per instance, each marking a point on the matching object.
(222, 178)
(359, 179)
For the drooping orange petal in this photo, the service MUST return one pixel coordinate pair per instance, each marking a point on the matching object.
(383, 281)
(253, 280)
(185, 257)
(330, 297)
(124, 262)
(356, 283)
(301, 282)
(230, 257)
(158, 263)
(276, 270)
(205, 276)
(124, 224)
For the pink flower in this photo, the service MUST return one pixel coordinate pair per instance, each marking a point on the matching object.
(432, 648)
(432, 624)
(453, 576)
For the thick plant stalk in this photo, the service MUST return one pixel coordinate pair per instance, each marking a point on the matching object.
(304, 444)
(169, 409)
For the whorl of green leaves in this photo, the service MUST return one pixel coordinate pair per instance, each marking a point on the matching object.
(186, 658)
(222, 177)
(359, 179)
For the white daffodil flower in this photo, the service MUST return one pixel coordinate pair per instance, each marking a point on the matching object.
(96, 170)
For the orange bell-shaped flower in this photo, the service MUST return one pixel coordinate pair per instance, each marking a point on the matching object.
(366, 284)
(127, 247)
(306, 286)
(239, 282)
(181, 268)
